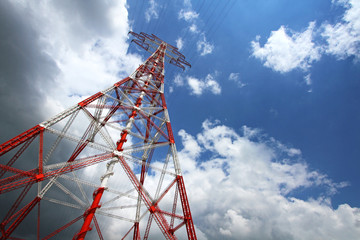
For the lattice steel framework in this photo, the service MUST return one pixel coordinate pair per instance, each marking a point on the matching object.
(123, 137)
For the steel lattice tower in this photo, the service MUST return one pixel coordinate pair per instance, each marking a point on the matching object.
(111, 158)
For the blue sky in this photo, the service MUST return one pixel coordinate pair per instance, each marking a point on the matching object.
(266, 120)
(317, 116)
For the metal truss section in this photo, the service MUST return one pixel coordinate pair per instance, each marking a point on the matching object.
(110, 161)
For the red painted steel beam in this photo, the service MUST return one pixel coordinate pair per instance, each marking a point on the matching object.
(174, 207)
(19, 139)
(136, 235)
(178, 226)
(17, 177)
(17, 155)
(10, 214)
(63, 227)
(41, 141)
(21, 215)
(15, 170)
(165, 192)
(80, 147)
(155, 210)
(121, 82)
(186, 209)
(147, 230)
(90, 99)
(98, 229)
(89, 214)
(127, 233)
(69, 168)
(154, 125)
(172, 214)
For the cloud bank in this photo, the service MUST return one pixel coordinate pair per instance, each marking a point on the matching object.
(241, 186)
(88, 53)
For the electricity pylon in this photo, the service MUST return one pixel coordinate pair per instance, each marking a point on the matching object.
(111, 158)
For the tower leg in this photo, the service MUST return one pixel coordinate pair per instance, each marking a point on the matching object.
(89, 214)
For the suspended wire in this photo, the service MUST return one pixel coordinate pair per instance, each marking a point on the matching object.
(142, 20)
(214, 27)
(212, 15)
(162, 17)
(202, 5)
(191, 49)
(197, 11)
(225, 12)
(206, 14)
(136, 14)
(199, 4)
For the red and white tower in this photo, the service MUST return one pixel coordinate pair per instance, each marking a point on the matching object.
(111, 159)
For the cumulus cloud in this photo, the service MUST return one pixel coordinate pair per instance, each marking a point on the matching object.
(193, 28)
(204, 47)
(198, 86)
(343, 38)
(188, 15)
(243, 189)
(178, 80)
(86, 61)
(286, 50)
(179, 43)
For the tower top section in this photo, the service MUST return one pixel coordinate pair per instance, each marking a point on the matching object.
(151, 42)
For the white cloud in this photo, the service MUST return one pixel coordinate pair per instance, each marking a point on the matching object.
(188, 15)
(235, 77)
(212, 84)
(198, 86)
(343, 38)
(89, 57)
(193, 28)
(307, 79)
(179, 43)
(204, 47)
(285, 52)
(151, 12)
(243, 189)
(187, 3)
(178, 80)
(192, 18)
